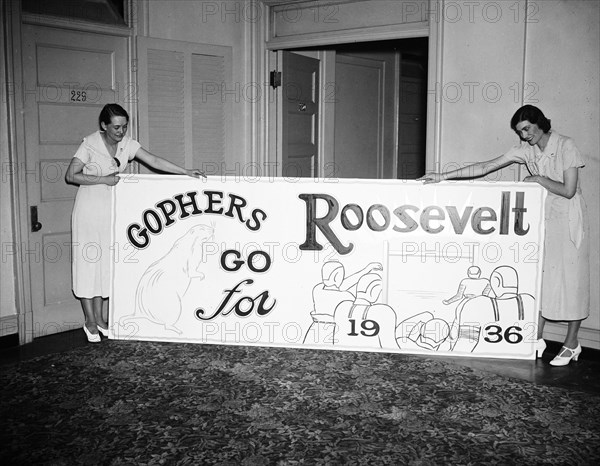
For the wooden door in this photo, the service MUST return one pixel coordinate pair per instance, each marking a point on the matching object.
(359, 117)
(300, 115)
(68, 76)
(412, 128)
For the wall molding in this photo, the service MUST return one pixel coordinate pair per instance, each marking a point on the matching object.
(9, 325)
(588, 337)
(76, 25)
(265, 41)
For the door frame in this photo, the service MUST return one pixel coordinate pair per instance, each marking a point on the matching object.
(16, 106)
(264, 132)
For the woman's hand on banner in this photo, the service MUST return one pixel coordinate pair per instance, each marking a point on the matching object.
(112, 179)
(195, 173)
(532, 179)
(431, 178)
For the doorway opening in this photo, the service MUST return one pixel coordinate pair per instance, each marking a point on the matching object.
(377, 93)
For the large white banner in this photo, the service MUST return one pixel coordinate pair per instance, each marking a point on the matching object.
(370, 265)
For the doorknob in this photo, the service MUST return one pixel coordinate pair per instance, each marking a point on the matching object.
(35, 225)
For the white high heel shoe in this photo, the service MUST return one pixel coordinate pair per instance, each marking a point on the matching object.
(565, 355)
(92, 338)
(540, 347)
(102, 330)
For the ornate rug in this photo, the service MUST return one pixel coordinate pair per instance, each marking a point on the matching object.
(143, 403)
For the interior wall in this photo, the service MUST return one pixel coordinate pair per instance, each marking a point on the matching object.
(563, 64)
(543, 53)
(482, 69)
(224, 23)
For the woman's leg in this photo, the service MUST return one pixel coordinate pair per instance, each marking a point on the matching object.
(89, 305)
(540, 345)
(571, 340)
(541, 324)
(101, 311)
(571, 349)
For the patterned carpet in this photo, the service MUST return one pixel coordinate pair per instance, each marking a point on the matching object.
(142, 403)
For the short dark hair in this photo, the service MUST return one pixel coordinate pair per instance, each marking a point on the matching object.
(109, 111)
(531, 114)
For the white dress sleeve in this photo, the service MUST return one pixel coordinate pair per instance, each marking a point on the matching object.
(83, 153)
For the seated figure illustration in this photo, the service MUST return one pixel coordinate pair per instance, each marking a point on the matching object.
(422, 331)
(470, 287)
(506, 309)
(362, 322)
(334, 288)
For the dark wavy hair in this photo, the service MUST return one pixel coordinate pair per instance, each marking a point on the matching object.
(109, 111)
(532, 115)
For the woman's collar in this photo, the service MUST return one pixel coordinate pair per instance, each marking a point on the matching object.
(551, 146)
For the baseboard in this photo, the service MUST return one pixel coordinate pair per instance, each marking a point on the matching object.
(589, 338)
(9, 325)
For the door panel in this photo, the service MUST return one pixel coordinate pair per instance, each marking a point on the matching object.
(411, 143)
(300, 112)
(359, 125)
(185, 114)
(70, 63)
(68, 77)
(62, 124)
(57, 266)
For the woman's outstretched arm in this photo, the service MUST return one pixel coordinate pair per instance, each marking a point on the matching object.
(158, 163)
(476, 170)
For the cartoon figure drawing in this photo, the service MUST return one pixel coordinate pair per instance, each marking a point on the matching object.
(165, 282)
(422, 331)
(333, 289)
(506, 308)
(362, 322)
(470, 287)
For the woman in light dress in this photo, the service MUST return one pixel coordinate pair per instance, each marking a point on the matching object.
(553, 161)
(95, 167)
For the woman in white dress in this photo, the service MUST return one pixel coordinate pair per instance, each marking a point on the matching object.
(553, 162)
(95, 168)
